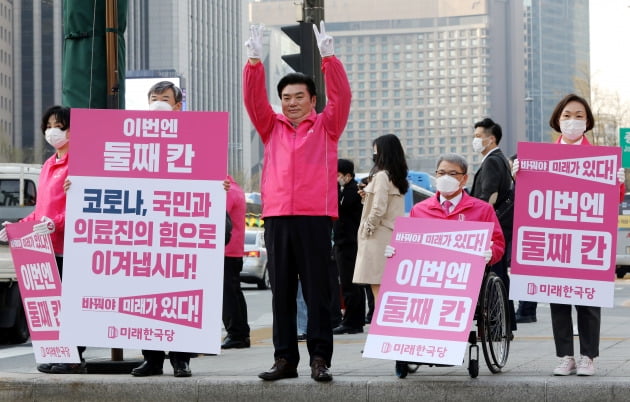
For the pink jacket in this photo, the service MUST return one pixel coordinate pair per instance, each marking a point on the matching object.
(622, 186)
(299, 174)
(51, 199)
(236, 206)
(468, 209)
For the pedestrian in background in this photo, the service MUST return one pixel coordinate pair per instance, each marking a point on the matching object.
(234, 305)
(383, 202)
(345, 230)
(493, 184)
(572, 118)
(299, 192)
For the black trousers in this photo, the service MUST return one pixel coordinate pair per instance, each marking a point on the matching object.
(234, 306)
(501, 269)
(353, 294)
(335, 292)
(156, 357)
(527, 308)
(588, 322)
(300, 245)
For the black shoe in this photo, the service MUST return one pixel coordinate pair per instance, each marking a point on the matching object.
(69, 368)
(525, 319)
(319, 370)
(343, 329)
(146, 369)
(45, 367)
(280, 369)
(235, 343)
(301, 337)
(181, 368)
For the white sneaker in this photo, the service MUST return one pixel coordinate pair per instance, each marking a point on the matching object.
(585, 366)
(566, 366)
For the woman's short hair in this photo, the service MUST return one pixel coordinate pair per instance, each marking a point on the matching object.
(554, 120)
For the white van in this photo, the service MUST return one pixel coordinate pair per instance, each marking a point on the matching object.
(18, 194)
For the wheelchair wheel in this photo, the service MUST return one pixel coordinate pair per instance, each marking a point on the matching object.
(494, 325)
(402, 369)
(473, 359)
(473, 368)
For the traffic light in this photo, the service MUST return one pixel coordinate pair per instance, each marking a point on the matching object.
(308, 61)
(302, 35)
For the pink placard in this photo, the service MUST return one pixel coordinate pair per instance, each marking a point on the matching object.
(40, 289)
(150, 144)
(429, 291)
(144, 230)
(565, 224)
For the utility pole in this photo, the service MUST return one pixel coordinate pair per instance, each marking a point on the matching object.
(111, 50)
(313, 14)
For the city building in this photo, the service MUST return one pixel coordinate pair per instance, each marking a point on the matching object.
(557, 59)
(33, 78)
(200, 42)
(425, 70)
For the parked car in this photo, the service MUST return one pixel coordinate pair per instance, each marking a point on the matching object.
(623, 238)
(255, 259)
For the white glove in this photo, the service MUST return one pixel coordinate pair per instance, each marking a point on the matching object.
(324, 41)
(389, 251)
(516, 165)
(621, 175)
(46, 227)
(487, 255)
(254, 44)
(3, 231)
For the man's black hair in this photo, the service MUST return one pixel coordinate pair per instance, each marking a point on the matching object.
(491, 128)
(297, 78)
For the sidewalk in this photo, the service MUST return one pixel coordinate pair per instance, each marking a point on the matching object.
(232, 376)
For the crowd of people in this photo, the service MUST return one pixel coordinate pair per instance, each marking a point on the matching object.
(310, 196)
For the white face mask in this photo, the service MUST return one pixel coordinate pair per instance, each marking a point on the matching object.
(447, 185)
(56, 137)
(477, 144)
(160, 105)
(572, 129)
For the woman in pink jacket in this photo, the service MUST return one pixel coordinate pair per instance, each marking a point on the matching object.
(572, 117)
(50, 209)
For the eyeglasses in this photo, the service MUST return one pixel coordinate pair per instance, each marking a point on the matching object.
(452, 173)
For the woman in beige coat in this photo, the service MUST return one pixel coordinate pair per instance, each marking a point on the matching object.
(383, 202)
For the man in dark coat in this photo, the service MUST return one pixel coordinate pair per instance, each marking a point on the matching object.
(493, 184)
(345, 237)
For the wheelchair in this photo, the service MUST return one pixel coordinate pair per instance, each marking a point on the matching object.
(493, 330)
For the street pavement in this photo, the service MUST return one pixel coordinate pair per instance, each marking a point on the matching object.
(232, 376)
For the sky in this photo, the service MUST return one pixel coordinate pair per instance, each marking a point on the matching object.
(610, 54)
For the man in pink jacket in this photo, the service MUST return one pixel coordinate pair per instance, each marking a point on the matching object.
(299, 198)
(453, 203)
